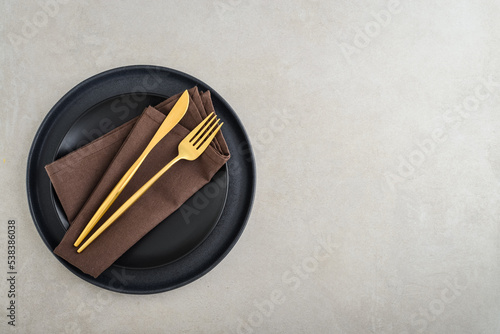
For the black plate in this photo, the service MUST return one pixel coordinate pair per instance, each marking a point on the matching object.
(182, 231)
(193, 239)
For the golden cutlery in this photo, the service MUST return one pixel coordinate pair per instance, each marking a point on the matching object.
(173, 117)
(190, 148)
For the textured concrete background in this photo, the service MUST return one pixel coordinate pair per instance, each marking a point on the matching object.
(377, 195)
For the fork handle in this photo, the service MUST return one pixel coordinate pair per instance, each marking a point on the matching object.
(113, 195)
(129, 203)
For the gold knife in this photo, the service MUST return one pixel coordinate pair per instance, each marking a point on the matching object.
(173, 117)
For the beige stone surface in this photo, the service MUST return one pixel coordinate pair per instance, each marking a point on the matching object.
(377, 200)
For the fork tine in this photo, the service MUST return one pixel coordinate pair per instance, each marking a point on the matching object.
(202, 131)
(206, 132)
(196, 130)
(208, 140)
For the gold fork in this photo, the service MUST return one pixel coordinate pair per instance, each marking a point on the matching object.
(190, 148)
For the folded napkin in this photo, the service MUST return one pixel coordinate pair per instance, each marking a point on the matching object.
(83, 179)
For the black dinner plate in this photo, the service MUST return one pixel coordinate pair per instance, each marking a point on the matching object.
(192, 240)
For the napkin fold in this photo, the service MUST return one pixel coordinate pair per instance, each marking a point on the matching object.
(83, 179)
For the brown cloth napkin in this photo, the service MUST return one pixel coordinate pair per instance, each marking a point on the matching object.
(83, 179)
